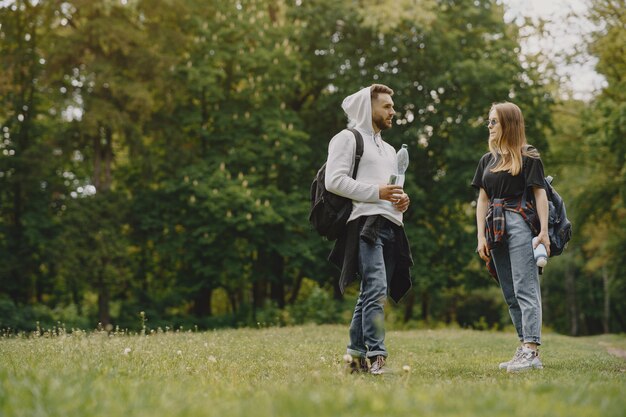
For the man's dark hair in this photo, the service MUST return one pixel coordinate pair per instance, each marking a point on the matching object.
(377, 89)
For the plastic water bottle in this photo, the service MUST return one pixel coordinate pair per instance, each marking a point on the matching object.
(541, 255)
(403, 164)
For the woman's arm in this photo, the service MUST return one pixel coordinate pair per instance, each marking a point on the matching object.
(481, 212)
(541, 199)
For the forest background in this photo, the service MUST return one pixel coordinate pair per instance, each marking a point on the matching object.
(156, 158)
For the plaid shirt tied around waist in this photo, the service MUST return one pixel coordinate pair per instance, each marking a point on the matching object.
(495, 223)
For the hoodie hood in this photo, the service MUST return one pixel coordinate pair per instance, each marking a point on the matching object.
(358, 107)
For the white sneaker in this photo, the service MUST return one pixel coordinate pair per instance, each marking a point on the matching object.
(504, 365)
(528, 359)
(378, 365)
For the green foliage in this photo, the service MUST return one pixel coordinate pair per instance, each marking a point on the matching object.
(590, 155)
(29, 318)
(200, 124)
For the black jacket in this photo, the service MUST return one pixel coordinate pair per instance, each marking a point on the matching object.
(345, 255)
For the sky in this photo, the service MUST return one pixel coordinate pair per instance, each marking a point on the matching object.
(567, 32)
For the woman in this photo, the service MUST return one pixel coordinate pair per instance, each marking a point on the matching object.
(512, 208)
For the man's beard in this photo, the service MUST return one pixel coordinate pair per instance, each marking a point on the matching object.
(381, 124)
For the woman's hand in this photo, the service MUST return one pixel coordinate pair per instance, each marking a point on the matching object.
(543, 237)
(483, 249)
(541, 199)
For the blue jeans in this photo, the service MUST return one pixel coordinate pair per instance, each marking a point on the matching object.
(519, 278)
(376, 267)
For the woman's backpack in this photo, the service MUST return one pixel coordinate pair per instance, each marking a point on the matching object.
(559, 226)
(330, 212)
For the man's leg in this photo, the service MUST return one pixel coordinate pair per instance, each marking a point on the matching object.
(374, 290)
(356, 347)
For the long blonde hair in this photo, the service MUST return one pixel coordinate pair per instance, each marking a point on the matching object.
(509, 146)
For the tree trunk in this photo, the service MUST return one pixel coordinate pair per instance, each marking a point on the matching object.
(277, 291)
(570, 295)
(204, 119)
(408, 308)
(606, 316)
(545, 312)
(296, 288)
(104, 314)
(259, 292)
(425, 305)
(232, 297)
(202, 302)
(277, 286)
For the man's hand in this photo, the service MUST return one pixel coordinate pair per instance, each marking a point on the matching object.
(396, 195)
(403, 203)
(390, 192)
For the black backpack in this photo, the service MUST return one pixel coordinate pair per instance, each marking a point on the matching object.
(559, 226)
(330, 212)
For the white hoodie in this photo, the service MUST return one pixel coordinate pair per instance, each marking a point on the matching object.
(377, 163)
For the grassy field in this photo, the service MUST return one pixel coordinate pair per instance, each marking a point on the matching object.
(298, 371)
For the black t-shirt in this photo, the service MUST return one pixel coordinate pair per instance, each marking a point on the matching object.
(502, 184)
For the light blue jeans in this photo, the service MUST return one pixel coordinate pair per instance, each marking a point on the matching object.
(376, 267)
(519, 278)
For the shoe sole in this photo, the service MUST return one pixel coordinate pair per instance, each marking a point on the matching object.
(526, 368)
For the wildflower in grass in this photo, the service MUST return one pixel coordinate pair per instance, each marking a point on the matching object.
(212, 359)
(179, 352)
(406, 368)
(127, 351)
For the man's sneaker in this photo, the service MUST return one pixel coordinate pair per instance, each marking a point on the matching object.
(378, 365)
(356, 365)
(504, 365)
(528, 359)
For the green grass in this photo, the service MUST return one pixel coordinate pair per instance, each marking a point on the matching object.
(298, 371)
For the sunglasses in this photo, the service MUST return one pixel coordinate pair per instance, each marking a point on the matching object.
(492, 122)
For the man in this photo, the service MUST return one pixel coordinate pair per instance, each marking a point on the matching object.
(374, 245)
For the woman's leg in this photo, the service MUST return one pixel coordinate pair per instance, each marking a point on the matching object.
(525, 277)
(502, 262)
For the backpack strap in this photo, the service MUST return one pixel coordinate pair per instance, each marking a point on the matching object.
(524, 167)
(525, 183)
(359, 150)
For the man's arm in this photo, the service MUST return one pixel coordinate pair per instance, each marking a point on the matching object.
(339, 165)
